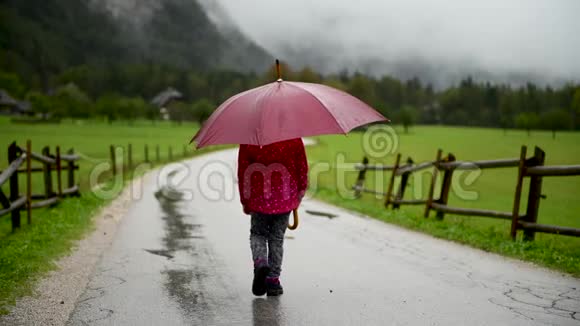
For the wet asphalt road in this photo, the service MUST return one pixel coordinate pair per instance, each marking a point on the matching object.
(183, 261)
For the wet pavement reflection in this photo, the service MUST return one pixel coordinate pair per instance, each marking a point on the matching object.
(266, 312)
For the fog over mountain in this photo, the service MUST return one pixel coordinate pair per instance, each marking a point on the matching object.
(180, 33)
(438, 41)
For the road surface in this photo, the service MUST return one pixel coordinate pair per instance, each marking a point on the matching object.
(181, 257)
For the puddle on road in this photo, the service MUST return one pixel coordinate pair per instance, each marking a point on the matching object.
(185, 247)
(177, 231)
(267, 312)
(179, 287)
(162, 253)
(320, 213)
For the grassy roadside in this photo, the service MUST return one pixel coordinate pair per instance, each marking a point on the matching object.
(26, 255)
(493, 189)
(29, 253)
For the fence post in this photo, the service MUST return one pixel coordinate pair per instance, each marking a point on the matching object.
(14, 195)
(433, 181)
(535, 194)
(58, 171)
(47, 171)
(403, 185)
(28, 182)
(71, 172)
(157, 154)
(361, 178)
(113, 159)
(518, 194)
(129, 157)
(445, 186)
(392, 181)
(146, 153)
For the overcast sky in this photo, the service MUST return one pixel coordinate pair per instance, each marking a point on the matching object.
(537, 36)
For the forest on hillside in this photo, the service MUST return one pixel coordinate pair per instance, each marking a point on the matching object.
(75, 59)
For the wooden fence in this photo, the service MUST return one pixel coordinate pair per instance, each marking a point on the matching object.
(57, 162)
(127, 162)
(532, 167)
(20, 166)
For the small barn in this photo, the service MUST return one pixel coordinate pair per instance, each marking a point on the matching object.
(12, 106)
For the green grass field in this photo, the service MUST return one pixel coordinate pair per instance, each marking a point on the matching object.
(491, 189)
(91, 139)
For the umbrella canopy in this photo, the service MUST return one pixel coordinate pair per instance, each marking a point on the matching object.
(284, 110)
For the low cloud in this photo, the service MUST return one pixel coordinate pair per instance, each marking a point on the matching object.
(441, 41)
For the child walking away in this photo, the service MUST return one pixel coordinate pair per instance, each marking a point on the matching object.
(272, 180)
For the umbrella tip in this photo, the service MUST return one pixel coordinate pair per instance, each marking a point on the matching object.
(279, 75)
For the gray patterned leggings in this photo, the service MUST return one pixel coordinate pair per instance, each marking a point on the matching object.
(267, 239)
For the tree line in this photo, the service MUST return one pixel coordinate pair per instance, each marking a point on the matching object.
(124, 92)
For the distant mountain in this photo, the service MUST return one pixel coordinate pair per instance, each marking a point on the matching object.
(439, 74)
(180, 33)
(49, 35)
(241, 50)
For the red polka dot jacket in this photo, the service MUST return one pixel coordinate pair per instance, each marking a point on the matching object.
(272, 179)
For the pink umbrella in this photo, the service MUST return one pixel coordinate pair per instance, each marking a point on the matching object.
(284, 110)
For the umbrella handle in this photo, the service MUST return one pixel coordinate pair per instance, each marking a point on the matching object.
(294, 226)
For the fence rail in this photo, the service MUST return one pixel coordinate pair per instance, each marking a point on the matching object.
(471, 211)
(557, 170)
(532, 167)
(487, 164)
(17, 157)
(122, 158)
(414, 168)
